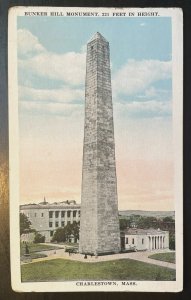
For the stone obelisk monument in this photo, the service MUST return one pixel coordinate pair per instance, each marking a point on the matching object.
(99, 221)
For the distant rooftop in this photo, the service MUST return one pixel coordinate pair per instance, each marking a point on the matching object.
(97, 36)
(140, 231)
(46, 204)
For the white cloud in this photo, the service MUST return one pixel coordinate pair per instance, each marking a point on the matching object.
(63, 95)
(69, 67)
(151, 92)
(151, 107)
(64, 109)
(36, 60)
(28, 44)
(136, 76)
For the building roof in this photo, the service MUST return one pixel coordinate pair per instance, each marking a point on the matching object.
(56, 205)
(140, 231)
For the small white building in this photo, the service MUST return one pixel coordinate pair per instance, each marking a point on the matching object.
(46, 217)
(144, 239)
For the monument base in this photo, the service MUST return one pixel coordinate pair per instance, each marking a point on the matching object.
(100, 253)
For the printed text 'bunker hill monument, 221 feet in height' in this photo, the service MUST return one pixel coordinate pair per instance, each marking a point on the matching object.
(99, 225)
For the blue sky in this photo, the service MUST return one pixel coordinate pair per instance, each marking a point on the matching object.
(51, 72)
(130, 38)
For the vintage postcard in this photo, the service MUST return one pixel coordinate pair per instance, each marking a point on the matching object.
(95, 126)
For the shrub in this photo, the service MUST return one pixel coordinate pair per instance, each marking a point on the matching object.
(39, 238)
(172, 241)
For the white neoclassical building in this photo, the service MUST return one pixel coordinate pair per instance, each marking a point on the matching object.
(47, 217)
(144, 239)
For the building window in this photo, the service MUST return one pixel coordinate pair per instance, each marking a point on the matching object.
(56, 224)
(50, 214)
(68, 222)
(42, 215)
(133, 241)
(74, 213)
(62, 223)
(142, 241)
(57, 214)
(63, 214)
(68, 214)
(79, 213)
(35, 214)
(50, 224)
(92, 47)
(126, 240)
(51, 233)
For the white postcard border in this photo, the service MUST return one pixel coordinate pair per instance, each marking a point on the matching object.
(75, 286)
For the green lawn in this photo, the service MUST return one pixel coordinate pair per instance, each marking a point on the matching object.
(34, 248)
(37, 248)
(124, 269)
(168, 257)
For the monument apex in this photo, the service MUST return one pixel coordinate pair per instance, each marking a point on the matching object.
(99, 226)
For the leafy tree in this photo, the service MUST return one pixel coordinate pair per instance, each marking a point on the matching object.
(147, 222)
(59, 235)
(63, 234)
(171, 241)
(39, 238)
(75, 229)
(168, 219)
(25, 224)
(124, 223)
(68, 231)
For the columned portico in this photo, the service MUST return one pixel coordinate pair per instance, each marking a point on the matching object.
(146, 239)
(156, 242)
(161, 242)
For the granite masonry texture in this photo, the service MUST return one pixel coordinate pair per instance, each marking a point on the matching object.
(99, 224)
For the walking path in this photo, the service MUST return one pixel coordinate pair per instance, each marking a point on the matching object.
(139, 256)
(143, 256)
